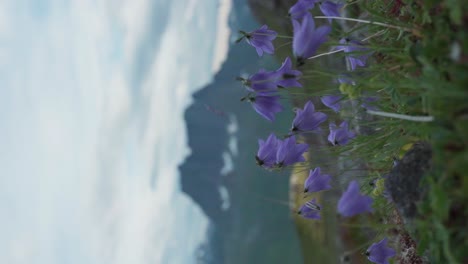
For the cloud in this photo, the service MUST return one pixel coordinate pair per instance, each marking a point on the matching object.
(223, 34)
(78, 153)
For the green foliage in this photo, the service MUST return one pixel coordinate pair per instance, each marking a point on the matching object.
(416, 73)
(418, 70)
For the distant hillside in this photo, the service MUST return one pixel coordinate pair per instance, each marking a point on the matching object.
(257, 224)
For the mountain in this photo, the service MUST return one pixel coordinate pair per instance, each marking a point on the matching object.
(208, 117)
(257, 227)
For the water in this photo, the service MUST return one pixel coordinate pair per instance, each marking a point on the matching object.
(257, 226)
(92, 96)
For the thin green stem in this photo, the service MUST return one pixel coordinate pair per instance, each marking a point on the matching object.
(374, 35)
(284, 44)
(278, 36)
(401, 116)
(366, 22)
(324, 54)
(368, 225)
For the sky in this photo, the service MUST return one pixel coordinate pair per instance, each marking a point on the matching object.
(92, 96)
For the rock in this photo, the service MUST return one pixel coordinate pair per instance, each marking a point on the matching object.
(403, 182)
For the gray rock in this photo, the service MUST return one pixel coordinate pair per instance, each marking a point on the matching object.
(403, 182)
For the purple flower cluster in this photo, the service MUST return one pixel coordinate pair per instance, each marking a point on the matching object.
(277, 153)
(264, 85)
(263, 89)
(351, 203)
(316, 182)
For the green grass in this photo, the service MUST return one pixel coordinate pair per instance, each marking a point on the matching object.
(413, 73)
(422, 71)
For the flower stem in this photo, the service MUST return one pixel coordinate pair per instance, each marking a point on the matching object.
(368, 225)
(374, 35)
(284, 45)
(324, 54)
(366, 22)
(283, 36)
(278, 36)
(329, 74)
(354, 250)
(401, 116)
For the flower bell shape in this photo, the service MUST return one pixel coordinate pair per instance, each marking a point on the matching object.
(379, 252)
(340, 135)
(287, 77)
(289, 152)
(368, 103)
(261, 39)
(330, 9)
(316, 181)
(266, 105)
(307, 119)
(352, 202)
(354, 46)
(266, 155)
(310, 210)
(332, 101)
(345, 79)
(262, 82)
(301, 8)
(307, 39)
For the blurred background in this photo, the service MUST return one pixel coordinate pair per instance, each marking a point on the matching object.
(123, 139)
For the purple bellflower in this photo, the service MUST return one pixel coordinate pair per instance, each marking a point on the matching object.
(301, 8)
(261, 39)
(345, 79)
(262, 82)
(310, 210)
(307, 119)
(354, 46)
(332, 101)
(340, 135)
(368, 103)
(316, 181)
(330, 9)
(352, 202)
(379, 252)
(307, 38)
(266, 155)
(287, 77)
(289, 152)
(266, 105)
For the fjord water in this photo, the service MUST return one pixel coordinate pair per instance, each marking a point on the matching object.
(92, 96)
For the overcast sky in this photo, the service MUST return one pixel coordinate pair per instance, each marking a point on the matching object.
(92, 95)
